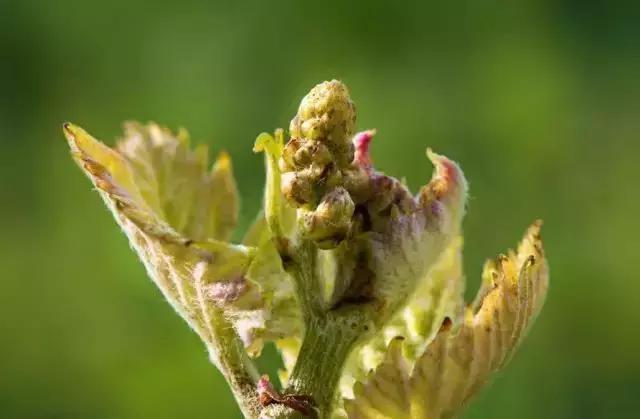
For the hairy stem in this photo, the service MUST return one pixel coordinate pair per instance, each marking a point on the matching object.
(330, 335)
(326, 345)
(308, 285)
(228, 355)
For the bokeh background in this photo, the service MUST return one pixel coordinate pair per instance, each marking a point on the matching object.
(538, 101)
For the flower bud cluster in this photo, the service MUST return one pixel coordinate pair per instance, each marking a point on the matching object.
(327, 172)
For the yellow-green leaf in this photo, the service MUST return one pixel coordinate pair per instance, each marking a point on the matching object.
(462, 356)
(176, 214)
(279, 215)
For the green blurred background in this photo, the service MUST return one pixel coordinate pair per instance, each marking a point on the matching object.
(538, 101)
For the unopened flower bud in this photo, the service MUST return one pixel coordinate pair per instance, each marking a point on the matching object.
(287, 162)
(330, 221)
(312, 152)
(358, 182)
(300, 153)
(327, 114)
(382, 193)
(388, 191)
(297, 188)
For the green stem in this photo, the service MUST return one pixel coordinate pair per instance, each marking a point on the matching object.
(228, 355)
(329, 337)
(325, 348)
(308, 285)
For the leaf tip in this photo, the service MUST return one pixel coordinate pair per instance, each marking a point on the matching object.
(224, 160)
(70, 131)
(262, 142)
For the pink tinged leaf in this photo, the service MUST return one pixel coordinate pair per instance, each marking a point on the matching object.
(361, 141)
(225, 292)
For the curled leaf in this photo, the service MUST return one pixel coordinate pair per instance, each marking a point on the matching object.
(417, 266)
(437, 296)
(279, 216)
(403, 255)
(462, 357)
(176, 215)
